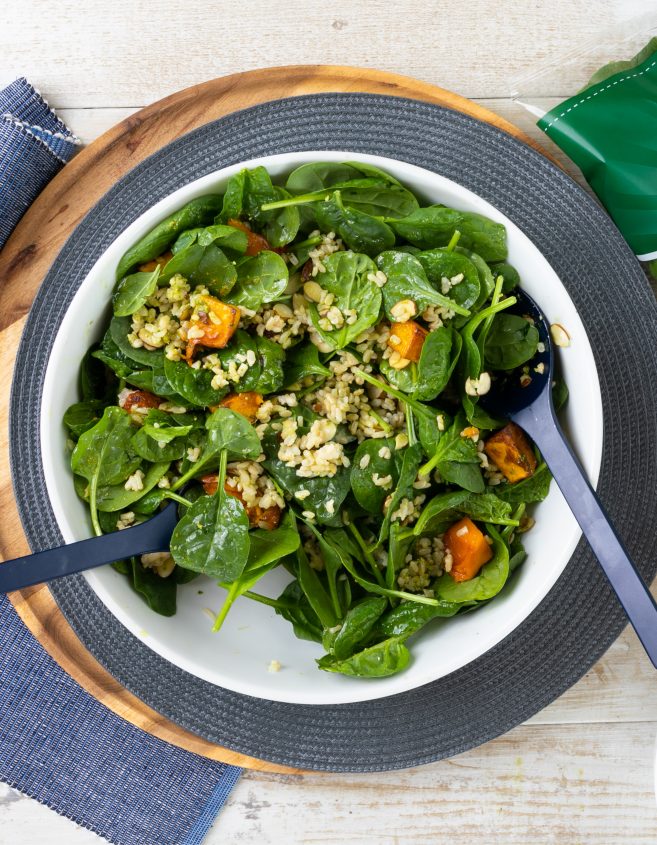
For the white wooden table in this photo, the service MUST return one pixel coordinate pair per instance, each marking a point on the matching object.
(582, 771)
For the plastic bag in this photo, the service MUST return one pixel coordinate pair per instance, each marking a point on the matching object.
(609, 127)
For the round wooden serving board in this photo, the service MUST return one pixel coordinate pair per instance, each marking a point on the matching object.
(36, 242)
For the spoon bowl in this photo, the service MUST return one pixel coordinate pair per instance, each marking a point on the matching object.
(525, 398)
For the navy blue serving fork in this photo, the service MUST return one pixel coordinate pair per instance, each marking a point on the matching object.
(531, 408)
(150, 536)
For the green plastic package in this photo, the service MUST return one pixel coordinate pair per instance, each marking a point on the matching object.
(609, 129)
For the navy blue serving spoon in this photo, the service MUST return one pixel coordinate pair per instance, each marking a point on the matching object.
(532, 409)
(150, 536)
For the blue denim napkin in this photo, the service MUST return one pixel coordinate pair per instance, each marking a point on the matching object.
(34, 145)
(57, 743)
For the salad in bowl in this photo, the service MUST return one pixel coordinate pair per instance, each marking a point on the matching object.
(298, 364)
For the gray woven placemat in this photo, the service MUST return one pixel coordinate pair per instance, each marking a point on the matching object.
(577, 621)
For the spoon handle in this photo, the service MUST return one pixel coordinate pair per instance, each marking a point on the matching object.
(150, 536)
(539, 421)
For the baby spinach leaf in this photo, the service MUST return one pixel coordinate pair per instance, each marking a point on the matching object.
(104, 453)
(202, 265)
(407, 280)
(302, 361)
(271, 356)
(231, 431)
(378, 661)
(346, 278)
(446, 508)
(428, 431)
(314, 591)
(440, 513)
(294, 608)
(509, 274)
(486, 279)
(158, 593)
(261, 278)
(442, 264)
(230, 240)
(440, 353)
(81, 416)
(110, 355)
(279, 226)
(434, 226)
(213, 537)
(133, 291)
(267, 549)
(559, 394)
(532, 489)
(429, 227)
(360, 232)
(511, 342)
(317, 175)
(246, 192)
(185, 239)
(482, 587)
(456, 458)
(225, 237)
(119, 329)
(411, 457)
(483, 236)
(194, 385)
(240, 345)
(114, 497)
(369, 495)
(357, 625)
(409, 617)
(197, 212)
(233, 200)
(272, 546)
(96, 383)
(160, 438)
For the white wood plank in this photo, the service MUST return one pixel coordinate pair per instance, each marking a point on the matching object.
(549, 786)
(557, 785)
(128, 54)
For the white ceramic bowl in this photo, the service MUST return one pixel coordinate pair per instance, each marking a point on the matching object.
(238, 657)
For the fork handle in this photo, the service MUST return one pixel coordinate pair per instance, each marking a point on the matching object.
(85, 554)
(541, 424)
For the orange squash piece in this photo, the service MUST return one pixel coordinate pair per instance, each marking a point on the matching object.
(255, 243)
(161, 260)
(140, 399)
(217, 323)
(246, 404)
(469, 549)
(511, 452)
(267, 518)
(407, 339)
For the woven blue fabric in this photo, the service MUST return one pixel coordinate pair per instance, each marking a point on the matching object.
(57, 743)
(60, 746)
(34, 146)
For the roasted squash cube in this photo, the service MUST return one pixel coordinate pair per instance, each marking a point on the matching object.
(407, 339)
(213, 324)
(469, 549)
(511, 452)
(160, 261)
(246, 404)
(266, 518)
(139, 399)
(255, 243)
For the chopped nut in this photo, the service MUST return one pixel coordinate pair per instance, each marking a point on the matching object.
(559, 335)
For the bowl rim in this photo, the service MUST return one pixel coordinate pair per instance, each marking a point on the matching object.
(343, 694)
